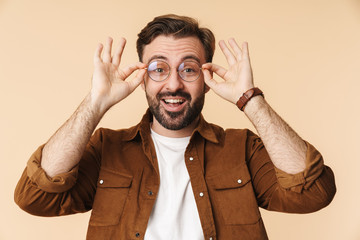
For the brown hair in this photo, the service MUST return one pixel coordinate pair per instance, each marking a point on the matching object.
(178, 27)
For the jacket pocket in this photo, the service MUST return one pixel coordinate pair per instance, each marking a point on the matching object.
(234, 196)
(111, 194)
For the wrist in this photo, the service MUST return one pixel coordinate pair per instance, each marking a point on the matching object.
(255, 105)
(95, 105)
(247, 97)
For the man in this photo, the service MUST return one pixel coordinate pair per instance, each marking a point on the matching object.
(174, 176)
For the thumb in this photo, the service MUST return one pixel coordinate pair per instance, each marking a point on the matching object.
(135, 82)
(220, 88)
(209, 80)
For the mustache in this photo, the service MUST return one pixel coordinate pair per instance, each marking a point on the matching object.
(178, 93)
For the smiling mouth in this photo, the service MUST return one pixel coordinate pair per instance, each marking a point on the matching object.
(174, 101)
(173, 104)
(177, 101)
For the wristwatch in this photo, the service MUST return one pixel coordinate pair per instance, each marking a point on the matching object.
(245, 98)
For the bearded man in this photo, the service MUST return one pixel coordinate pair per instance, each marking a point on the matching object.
(174, 175)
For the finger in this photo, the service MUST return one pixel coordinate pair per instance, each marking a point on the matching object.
(135, 82)
(127, 71)
(97, 55)
(245, 50)
(107, 50)
(228, 54)
(235, 47)
(209, 79)
(118, 53)
(220, 71)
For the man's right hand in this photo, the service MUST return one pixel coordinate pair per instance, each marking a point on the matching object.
(108, 83)
(65, 148)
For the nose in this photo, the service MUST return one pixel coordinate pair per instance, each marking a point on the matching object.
(174, 81)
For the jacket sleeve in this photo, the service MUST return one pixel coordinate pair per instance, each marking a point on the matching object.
(63, 194)
(276, 190)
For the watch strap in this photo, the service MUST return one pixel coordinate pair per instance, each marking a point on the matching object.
(245, 98)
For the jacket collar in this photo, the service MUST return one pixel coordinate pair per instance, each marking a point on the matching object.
(208, 131)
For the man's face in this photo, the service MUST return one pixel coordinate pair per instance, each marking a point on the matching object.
(174, 102)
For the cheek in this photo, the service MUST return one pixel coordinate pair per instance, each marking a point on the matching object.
(199, 89)
(151, 87)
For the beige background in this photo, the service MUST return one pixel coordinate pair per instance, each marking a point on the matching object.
(305, 56)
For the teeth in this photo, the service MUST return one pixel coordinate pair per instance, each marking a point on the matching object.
(173, 100)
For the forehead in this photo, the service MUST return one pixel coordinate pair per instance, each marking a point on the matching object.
(173, 49)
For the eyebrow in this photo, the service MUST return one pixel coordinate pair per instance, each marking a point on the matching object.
(183, 59)
(157, 57)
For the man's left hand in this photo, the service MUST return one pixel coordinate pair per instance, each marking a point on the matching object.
(238, 78)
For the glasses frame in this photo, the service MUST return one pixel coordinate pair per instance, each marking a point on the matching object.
(177, 70)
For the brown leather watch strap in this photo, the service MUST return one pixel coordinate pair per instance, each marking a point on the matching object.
(243, 100)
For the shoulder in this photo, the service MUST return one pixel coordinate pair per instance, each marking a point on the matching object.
(232, 136)
(107, 134)
(238, 133)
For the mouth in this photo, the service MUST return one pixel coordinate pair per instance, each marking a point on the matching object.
(173, 104)
(174, 101)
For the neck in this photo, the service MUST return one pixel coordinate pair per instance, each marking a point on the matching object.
(184, 132)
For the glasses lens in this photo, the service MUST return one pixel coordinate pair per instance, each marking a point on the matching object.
(189, 71)
(158, 70)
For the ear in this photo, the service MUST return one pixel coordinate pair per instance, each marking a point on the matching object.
(207, 88)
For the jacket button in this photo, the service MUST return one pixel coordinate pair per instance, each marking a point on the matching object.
(101, 181)
(137, 234)
(210, 238)
(191, 158)
(239, 181)
(150, 193)
(201, 194)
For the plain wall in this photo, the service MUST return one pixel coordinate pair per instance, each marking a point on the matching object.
(305, 56)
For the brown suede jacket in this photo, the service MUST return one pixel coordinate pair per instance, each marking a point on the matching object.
(230, 171)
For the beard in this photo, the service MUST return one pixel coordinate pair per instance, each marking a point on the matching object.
(176, 120)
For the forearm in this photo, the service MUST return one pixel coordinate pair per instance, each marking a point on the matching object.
(65, 148)
(286, 149)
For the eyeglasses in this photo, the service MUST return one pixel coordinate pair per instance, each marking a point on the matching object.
(188, 70)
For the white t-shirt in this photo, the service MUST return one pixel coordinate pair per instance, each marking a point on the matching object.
(175, 215)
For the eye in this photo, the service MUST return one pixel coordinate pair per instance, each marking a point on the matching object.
(158, 67)
(189, 70)
(158, 70)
